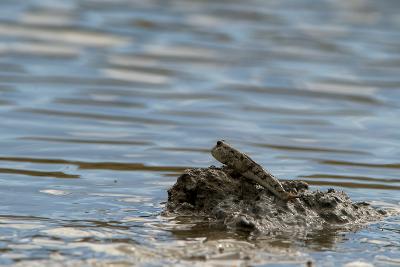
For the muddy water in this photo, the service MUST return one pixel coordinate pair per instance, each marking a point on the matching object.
(104, 103)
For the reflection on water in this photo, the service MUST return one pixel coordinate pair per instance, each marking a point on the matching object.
(116, 98)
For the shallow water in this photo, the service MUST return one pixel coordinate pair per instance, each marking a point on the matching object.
(103, 103)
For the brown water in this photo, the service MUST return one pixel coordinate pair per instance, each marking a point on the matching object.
(103, 103)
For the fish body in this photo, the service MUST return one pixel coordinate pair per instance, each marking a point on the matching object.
(243, 164)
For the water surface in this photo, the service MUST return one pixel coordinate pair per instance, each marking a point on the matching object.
(104, 103)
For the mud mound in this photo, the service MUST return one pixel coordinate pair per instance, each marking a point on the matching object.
(230, 200)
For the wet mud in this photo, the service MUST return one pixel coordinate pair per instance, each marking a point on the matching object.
(227, 199)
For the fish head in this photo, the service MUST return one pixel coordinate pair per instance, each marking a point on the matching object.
(221, 152)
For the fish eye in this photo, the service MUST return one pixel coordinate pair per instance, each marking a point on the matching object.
(219, 143)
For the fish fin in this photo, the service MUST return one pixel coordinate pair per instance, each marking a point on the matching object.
(292, 196)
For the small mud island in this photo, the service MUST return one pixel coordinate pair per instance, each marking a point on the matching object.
(242, 196)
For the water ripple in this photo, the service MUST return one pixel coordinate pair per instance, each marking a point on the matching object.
(357, 98)
(85, 141)
(361, 164)
(310, 149)
(65, 35)
(95, 116)
(38, 173)
(104, 103)
(348, 177)
(118, 166)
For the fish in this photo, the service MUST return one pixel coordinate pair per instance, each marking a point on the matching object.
(242, 163)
